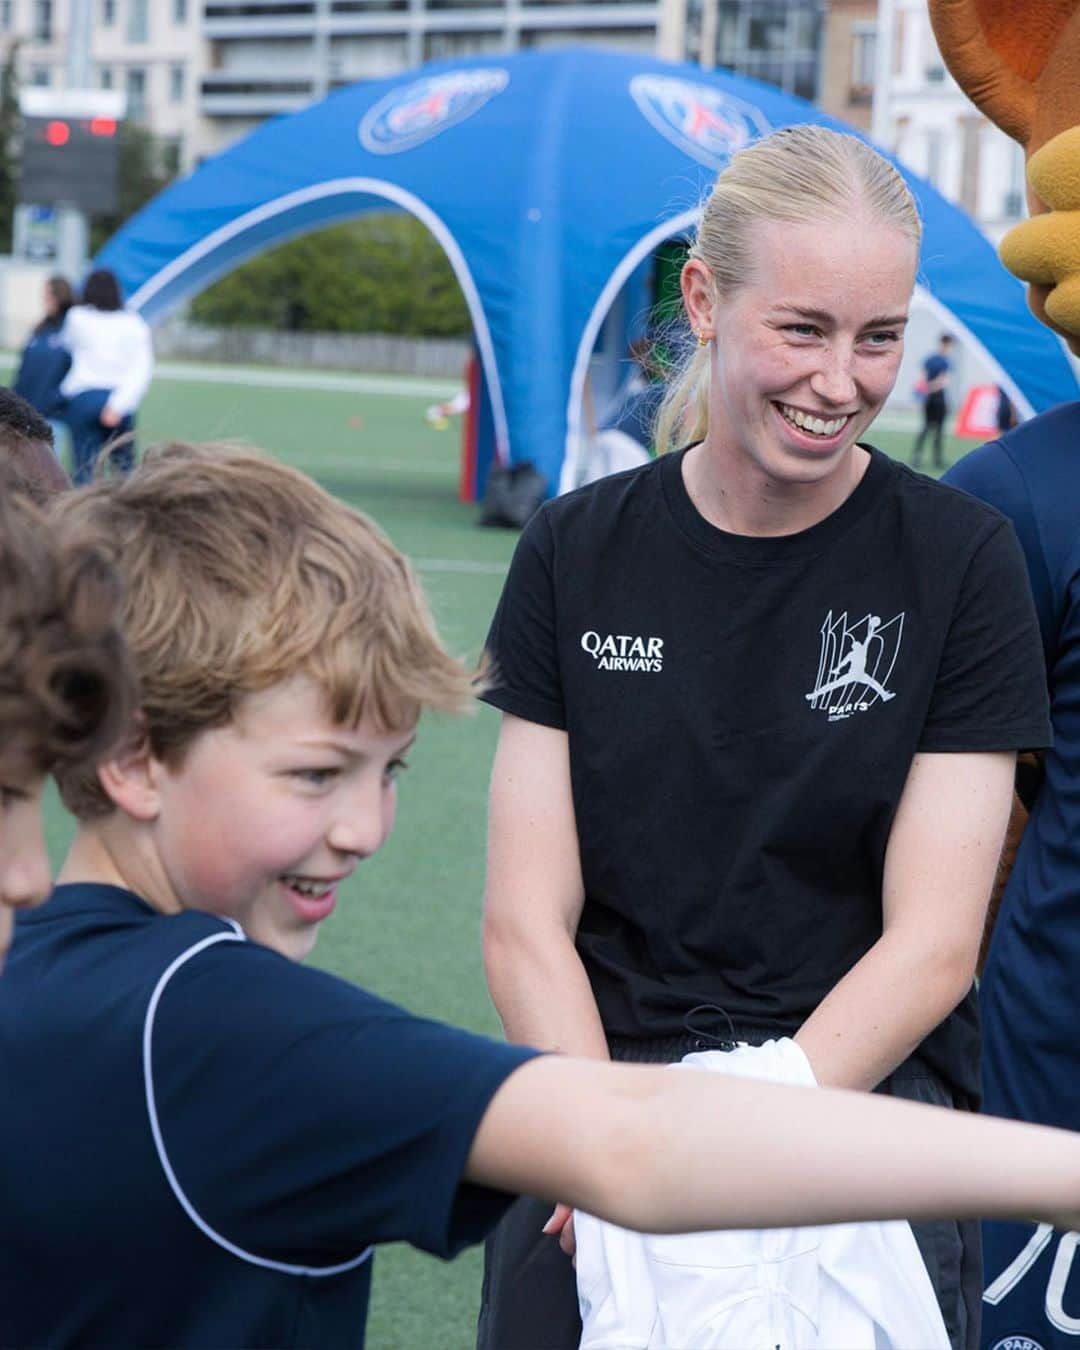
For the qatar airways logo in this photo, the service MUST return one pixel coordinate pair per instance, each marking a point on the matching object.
(622, 651)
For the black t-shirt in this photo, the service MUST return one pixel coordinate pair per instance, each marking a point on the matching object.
(203, 1139)
(742, 715)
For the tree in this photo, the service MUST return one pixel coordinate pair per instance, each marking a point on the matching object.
(379, 274)
(9, 129)
(148, 163)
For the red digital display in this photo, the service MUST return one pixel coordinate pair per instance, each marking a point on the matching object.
(70, 161)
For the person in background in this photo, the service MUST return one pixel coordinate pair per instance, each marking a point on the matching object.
(936, 370)
(45, 360)
(1006, 416)
(112, 361)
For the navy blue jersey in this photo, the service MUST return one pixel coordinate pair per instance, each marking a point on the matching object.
(936, 366)
(201, 1140)
(1030, 991)
(43, 364)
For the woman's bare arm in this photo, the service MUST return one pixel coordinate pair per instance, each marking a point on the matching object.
(534, 894)
(939, 869)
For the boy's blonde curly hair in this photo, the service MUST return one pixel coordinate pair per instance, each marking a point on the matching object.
(240, 572)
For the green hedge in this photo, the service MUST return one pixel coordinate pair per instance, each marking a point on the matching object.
(380, 274)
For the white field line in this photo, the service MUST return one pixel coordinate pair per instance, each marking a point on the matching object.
(399, 386)
(281, 377)
(488, 569)
(316, 464)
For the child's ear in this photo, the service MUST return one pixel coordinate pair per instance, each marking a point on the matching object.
(130, 778)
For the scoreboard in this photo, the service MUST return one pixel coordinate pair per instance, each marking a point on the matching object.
(70, 151)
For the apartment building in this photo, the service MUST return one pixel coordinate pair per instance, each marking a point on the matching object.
(201, 73)
(149, 50)
(277, 55)
(778, 41)
(920, 113)
(848, 54)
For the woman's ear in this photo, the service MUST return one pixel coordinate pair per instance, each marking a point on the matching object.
(699, 298)
(130, 779)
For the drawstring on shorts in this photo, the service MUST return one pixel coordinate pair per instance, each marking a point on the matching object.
(705, 1039)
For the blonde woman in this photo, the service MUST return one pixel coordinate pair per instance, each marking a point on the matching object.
(761, 699)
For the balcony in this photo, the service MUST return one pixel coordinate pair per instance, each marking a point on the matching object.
(235, 94)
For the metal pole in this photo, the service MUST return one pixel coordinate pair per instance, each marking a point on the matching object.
(709, 25)
(78, 44)
(320, 50)
(72, 225)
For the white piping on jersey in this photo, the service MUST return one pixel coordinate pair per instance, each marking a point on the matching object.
(159, 1143)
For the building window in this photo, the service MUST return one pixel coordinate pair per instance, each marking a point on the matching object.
(43, 21)
(1014, 198)
(970, 162)
(899, 41)
(105, 77)
(934, 157)
(771, 41)
(138, 28)
(1012, 205)
(41, 77)
(176, 84)
(863, 53)
(136, 91)
(6, 16)
(108, 13)
(863, 58)
(179, 11)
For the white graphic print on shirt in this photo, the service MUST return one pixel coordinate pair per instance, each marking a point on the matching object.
(855, 664)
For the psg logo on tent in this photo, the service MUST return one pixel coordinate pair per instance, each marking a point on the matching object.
(701, 120)
(412, 115)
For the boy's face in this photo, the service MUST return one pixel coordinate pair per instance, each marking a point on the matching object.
(266, 816)
(24, 866)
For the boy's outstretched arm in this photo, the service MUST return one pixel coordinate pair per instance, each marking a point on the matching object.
(665, 1150)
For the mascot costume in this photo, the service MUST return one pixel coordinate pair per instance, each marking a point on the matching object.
(1019, 62)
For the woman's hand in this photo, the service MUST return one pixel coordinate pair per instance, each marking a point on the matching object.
(562, 1222)
(109, 417)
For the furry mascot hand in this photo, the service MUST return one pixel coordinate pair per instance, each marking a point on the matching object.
(1045, 250)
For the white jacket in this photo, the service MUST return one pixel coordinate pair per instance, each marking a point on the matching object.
(110, 349)
(839, 1287)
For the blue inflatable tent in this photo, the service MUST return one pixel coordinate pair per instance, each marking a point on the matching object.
(548, 178)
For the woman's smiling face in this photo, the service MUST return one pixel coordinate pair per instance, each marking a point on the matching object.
(807, 349)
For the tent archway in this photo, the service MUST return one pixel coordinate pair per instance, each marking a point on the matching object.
(546, 177)
(297, 213)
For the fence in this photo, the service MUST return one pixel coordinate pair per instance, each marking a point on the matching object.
(375, 352)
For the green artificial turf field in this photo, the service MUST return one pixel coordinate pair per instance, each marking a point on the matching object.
(407, 925)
